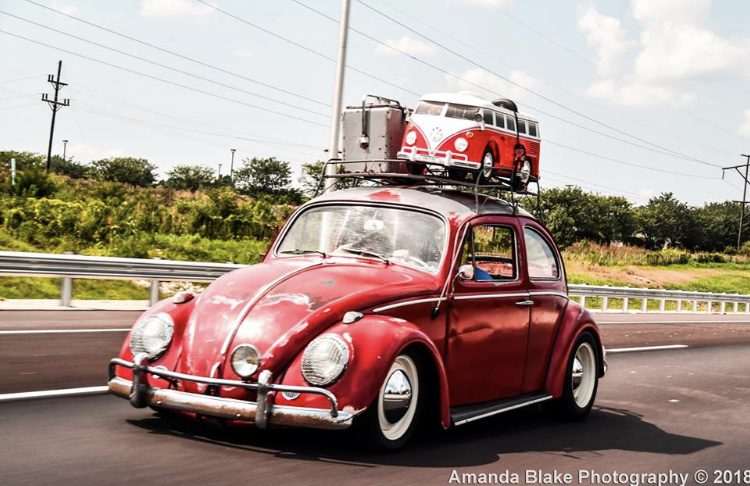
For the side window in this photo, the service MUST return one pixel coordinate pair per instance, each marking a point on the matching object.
(533, 130)
(510, 123)
(489, 117)
(522, 126)
(540, 255)
(491, 250)
(499, 120)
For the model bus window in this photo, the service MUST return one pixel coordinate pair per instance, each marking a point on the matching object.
(510, 123)
(533, 129)
(461, 111)
(489, 117)
(499, 120)
(522, 126)
(429, 108)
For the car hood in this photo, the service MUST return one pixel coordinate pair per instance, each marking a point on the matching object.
(279, 306)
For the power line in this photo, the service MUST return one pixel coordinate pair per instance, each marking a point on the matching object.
(604, 71)
(181, 56)
(303, 47)
(15, 107)
(162, 80)
(633, 194)
(639, 121)
(155, 63)
(520, 85)
(623, 162)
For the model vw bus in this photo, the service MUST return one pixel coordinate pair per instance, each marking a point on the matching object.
(471, 135)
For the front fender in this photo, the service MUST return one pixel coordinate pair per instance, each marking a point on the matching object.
(575, 320)
(375, 342)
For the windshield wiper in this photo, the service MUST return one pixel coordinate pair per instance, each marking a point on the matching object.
(365, 253)
(297, 251)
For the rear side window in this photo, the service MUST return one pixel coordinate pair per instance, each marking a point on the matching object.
(489, 117)
(462, 111)
(491, 250)
(510, 123)
(429, 108)
(499, 120)
(543, 263)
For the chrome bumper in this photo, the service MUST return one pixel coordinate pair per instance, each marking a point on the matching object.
(442, 157)
(262, 412)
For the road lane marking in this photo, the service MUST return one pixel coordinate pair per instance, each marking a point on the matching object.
(64, 392)
(647, 348)
(59, 331)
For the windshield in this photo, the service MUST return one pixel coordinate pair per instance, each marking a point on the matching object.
(400, 236)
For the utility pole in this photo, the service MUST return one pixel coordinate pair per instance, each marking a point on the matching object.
(65, 150)
(746, 183)
(55, 105)
(231, 166)
(338, 89)
(219, 175)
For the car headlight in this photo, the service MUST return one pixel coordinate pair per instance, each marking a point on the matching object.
(324, 360)
(461, 144)
(152, 335)
(245, 360)
(411, 137)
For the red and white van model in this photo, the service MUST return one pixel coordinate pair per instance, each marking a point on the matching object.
(469, 134)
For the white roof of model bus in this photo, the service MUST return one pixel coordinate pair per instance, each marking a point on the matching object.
(471, 99)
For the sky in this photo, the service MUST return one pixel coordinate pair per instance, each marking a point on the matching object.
(634, 97)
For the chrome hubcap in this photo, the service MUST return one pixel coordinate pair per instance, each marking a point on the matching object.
(487, 164)
(397, 396)
(583, 374)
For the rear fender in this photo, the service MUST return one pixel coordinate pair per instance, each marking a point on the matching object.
(375, 341)
(575, 320)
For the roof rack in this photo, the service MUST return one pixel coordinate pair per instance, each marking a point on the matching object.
(432, 175)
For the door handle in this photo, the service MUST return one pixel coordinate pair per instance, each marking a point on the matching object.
(525, 303)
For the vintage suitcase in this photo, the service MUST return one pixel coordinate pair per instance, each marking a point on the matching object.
(371, 135)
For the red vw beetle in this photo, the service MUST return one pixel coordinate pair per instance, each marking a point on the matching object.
(375, 308)
(469, 134)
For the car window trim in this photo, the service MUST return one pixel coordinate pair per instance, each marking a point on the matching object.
(554, 254)
(516, 269)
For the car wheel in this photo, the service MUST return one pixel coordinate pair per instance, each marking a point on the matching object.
(581, 381)
(391, 419)
(488, 163)
(521, 182)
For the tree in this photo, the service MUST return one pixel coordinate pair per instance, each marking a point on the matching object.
(665, 221)
(128, 170)
(70, 168)
(190, 177)
(268, 176)
(718, 223)
(310, 178)
(24, 160)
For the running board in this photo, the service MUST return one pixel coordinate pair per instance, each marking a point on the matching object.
(469, 413)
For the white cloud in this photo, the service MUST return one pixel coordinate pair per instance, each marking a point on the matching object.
(86, 153)
(636, 93)
(605, 35)
(408, 45)
(745, 125)
(483, 3)
(473, 78)
(173, 8)
(657, 11)
(67, 8)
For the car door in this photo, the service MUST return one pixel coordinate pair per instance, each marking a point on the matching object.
(548, 291)
(489, 315)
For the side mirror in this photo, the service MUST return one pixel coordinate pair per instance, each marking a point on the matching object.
(466, 272)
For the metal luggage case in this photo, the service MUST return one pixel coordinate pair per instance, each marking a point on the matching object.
(373, 131)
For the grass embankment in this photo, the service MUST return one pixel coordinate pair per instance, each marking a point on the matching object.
(592, 264)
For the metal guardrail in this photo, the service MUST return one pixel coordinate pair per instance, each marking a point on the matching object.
(620, 299)
(68, 267)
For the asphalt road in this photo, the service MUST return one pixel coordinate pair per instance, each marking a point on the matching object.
(678, 410)
(38, 351)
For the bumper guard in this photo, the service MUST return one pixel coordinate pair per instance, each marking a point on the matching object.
(262, 412)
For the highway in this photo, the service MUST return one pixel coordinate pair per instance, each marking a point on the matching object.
(680, 409)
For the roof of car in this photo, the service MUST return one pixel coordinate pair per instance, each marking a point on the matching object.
(470, 99)
(448, 202)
